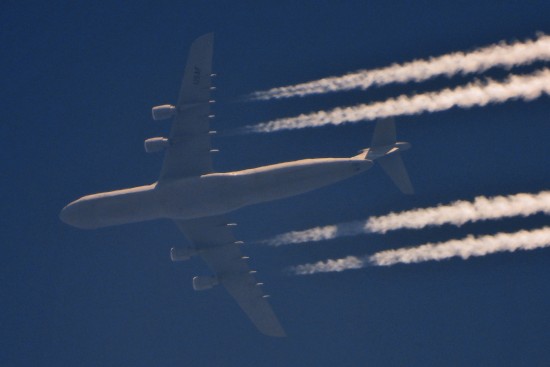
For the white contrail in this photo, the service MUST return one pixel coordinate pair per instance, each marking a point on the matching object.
(331, 265)
(319, 233)
(456, 213)
(477, 61)
(464, 248)
(524, 87)
(460, 212)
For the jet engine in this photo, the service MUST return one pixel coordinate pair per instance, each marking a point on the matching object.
(204, 282)
(156, 144)
(163, 112)
(181, 254)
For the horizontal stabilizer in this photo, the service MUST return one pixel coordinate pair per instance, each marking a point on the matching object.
(394, 167)
(385, 150)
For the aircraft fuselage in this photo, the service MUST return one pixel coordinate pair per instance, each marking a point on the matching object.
(210, 194)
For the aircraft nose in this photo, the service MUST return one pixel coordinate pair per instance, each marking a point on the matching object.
(67, 214)
(78, 214)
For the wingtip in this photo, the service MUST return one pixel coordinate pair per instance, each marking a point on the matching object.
(408, 190)
(205, 39)
(279, 333)
(207, 35)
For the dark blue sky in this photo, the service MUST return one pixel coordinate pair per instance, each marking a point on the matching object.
(78, 82)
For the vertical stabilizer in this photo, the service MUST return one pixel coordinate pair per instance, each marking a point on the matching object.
(384, 133)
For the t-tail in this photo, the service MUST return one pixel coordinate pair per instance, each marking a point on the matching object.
(385, 150)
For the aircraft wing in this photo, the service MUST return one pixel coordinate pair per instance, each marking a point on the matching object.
(215, 243)
(189, 150)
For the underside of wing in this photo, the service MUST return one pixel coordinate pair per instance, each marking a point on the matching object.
(213, 240)
(189, 151)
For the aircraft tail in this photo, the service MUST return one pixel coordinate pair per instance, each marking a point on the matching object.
(394, 167)
(386, 151)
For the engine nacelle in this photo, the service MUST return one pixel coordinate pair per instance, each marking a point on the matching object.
(181, 254)
(204, 282)
(163, 112)
(156, 144)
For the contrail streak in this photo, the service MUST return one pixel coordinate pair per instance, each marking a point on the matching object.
(456, 213)
(477, 61)
(464, 248)
(524, 87)
(460, 212)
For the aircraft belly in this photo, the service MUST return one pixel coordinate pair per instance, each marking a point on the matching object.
(112, 208)
(209, 195)
(126, 209)
(197, 197)
(278, 183)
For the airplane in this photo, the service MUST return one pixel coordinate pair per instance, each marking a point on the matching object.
(189, 191)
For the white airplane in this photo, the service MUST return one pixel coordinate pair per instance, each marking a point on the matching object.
(196, 198)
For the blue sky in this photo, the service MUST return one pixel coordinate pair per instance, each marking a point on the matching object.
(79, 79)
